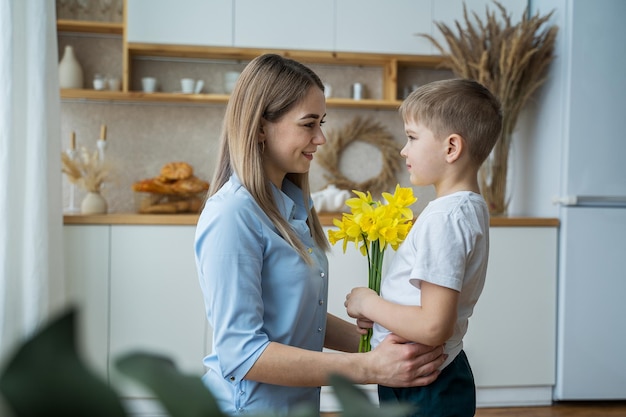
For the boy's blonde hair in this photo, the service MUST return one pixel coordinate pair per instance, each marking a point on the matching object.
(457, 106)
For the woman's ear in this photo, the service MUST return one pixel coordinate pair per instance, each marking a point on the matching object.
(455, 145)
(262, 132)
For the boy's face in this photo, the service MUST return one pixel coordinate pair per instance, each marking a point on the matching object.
(424, 154)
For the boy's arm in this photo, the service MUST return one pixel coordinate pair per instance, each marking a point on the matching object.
(432, 323)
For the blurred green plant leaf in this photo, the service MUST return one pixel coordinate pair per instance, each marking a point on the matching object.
(181, 395)
(46, 377)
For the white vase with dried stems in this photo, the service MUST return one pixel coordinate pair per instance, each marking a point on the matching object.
(88, 171)
(511, 60)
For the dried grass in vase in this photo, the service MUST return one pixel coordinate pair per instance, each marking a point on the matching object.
(511, 60)
(85, 170)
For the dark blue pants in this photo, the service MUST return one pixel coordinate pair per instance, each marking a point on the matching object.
(453, 394)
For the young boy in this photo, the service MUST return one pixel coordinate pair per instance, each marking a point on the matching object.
(438, 273)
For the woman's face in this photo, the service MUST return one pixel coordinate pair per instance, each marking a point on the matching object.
(291, 141)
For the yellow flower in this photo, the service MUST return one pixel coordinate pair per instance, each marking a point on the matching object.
(372, 226)
(401, 199)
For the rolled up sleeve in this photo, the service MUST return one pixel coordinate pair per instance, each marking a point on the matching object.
(231, 285)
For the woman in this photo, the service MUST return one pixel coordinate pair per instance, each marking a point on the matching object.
(260, 254)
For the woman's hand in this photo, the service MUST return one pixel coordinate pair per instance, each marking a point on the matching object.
(396, 363)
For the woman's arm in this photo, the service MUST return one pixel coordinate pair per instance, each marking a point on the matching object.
(393, 363)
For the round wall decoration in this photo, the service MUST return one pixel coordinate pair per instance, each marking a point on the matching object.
(368, 131)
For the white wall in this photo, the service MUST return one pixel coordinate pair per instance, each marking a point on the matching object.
(540, 136)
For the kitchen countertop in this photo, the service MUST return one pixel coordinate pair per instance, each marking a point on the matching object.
(325, 218)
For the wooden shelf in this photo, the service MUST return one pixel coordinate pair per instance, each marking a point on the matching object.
(138, 96)
(85, 26)
(326, 219)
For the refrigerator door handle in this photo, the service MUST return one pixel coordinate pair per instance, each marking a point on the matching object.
(591, 201)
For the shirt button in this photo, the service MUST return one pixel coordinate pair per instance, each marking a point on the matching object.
(321, 302)
(232, 378)
(319, 329)
(310, 250)
(322, 275)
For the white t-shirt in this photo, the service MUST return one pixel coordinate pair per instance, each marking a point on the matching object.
(448, 246)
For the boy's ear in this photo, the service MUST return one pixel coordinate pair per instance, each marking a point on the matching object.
(455, 146)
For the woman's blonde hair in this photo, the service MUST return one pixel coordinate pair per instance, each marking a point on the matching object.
(267, 88)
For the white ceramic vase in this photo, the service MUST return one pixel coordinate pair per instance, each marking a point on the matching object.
(93, 203)
(70, 71)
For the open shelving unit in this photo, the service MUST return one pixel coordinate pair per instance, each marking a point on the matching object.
(388, 65)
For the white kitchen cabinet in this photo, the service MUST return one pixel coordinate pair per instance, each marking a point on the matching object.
(392, 27)
(137, 289)
(156, 303)
(86, 258)
(284, 24)
(511, 336)
(331, 25)
(181, 22)
(383, 26)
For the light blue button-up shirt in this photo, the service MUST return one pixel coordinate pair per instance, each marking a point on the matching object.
(257, 289)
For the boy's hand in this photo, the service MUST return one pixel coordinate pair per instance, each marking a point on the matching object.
(363, 325)
(355, 302)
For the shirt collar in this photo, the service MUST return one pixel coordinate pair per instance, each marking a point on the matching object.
(289, 199)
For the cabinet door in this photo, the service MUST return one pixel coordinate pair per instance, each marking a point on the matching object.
(284, 24)
(181, 22)
(156, 302)
(449, 11)
(86, 256)
(511, 336)
(383, 26)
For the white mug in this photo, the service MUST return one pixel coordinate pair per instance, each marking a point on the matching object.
(357, 91)
(148, 84)
(114, 84)
(189, 85)
(99, 82)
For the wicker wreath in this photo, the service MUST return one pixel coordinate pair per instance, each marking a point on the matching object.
(367, 131)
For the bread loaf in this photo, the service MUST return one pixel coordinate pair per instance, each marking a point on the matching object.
(174, 190)
(173, 171)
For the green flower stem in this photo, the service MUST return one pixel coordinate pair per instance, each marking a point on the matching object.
(375, 265)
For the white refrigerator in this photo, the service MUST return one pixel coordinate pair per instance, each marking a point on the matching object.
(591, 344)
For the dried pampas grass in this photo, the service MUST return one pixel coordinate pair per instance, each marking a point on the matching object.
(85, 170)
(511, 60)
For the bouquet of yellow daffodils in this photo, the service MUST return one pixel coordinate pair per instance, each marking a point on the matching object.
(372, 226)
